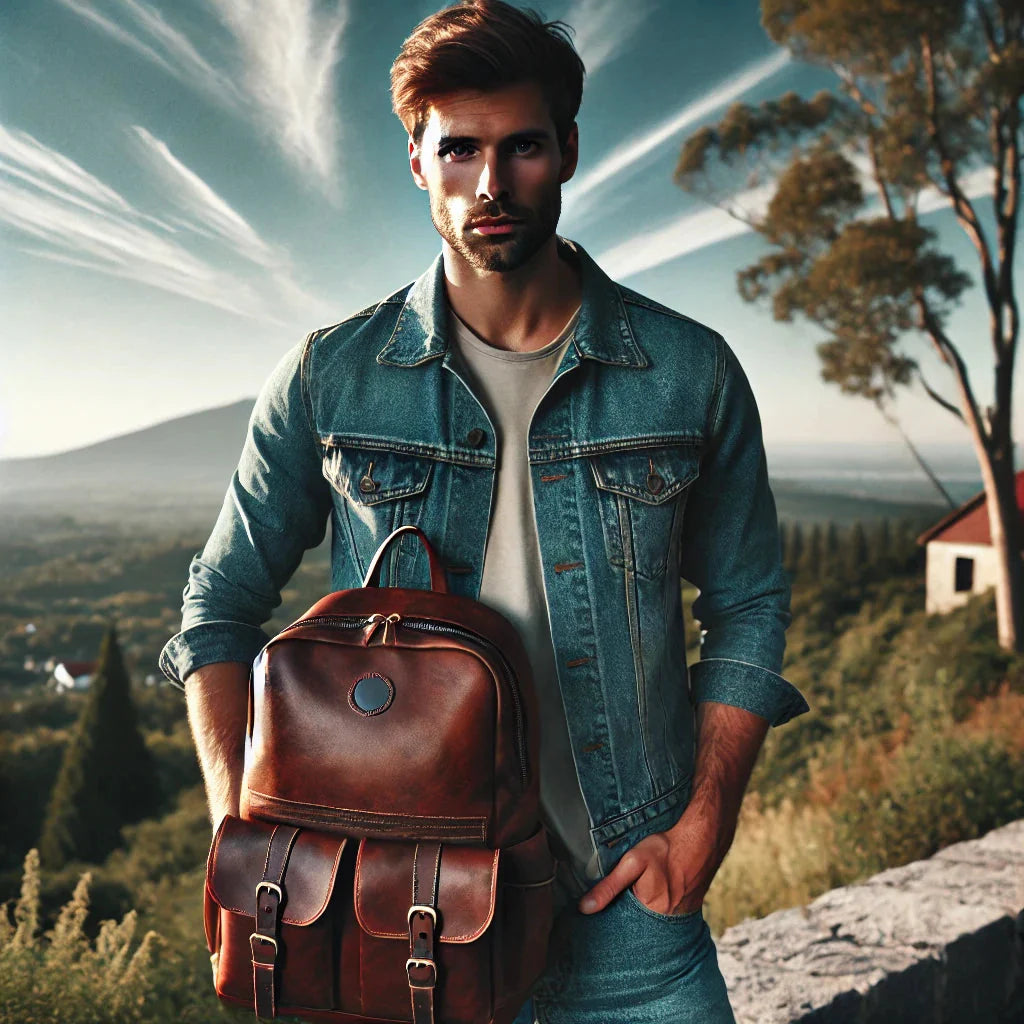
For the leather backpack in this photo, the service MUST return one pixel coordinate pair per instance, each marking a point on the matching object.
(389, 864)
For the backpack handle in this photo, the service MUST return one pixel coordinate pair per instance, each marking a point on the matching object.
(438, 581)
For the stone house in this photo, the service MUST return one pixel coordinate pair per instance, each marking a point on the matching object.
(959, 557)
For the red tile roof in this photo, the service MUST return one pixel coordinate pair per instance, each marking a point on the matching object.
(968, 524)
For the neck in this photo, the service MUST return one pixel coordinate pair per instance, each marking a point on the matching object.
(520, 310)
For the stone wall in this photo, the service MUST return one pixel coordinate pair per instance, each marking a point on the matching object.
(938, 941)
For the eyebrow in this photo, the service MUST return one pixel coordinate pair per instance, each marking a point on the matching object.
(529, 135)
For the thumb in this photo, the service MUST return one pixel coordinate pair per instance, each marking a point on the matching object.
(629, 868)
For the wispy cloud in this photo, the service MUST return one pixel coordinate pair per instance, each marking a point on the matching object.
(289, 49)
(163, 45)
(75, 218)
(581, 192)
(280, 74)
(205, 211)
(700, 229)
(603, 27)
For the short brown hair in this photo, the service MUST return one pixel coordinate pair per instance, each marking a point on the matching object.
(485, 45)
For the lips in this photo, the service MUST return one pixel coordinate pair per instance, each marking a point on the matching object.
(494, 226)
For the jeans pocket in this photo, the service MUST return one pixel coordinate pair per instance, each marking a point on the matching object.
(691, 915)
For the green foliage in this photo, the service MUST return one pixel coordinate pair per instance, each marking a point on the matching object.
(107, 777)
(29, 762)
(927, 95)
(945, 789)
(62, 976)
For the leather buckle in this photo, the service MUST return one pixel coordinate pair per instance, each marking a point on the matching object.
(270, 941)
(270, 887)
(414, 962)
(418, 908)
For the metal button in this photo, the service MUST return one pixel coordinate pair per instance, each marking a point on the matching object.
(368, 484)
(654, 483)
(475, 438)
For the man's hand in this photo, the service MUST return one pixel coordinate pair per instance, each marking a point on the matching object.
(673, 870)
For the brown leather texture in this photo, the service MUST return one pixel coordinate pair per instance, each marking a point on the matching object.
(389, 863)
(456, 731)
(343, 940)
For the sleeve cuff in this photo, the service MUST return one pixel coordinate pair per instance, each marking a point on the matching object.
(209, 642)
(747, 686)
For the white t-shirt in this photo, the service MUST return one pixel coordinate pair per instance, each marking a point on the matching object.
(509, 385)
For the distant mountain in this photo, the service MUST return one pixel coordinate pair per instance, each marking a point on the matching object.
(183, 461)
(184, 465)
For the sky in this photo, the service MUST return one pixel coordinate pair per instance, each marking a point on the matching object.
(188, 188)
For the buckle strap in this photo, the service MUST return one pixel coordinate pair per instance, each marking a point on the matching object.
(421, 968)
(264, 940)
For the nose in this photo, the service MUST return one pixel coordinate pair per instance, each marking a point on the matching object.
(490, 185)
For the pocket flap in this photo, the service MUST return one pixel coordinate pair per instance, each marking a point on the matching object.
(653, 475)
(369, 476)
(467, 883)
(236, 863)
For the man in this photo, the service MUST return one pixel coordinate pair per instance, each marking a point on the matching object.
(572, 449)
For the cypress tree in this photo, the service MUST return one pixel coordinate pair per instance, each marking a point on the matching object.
(107, 777)
(881, 543)
(831, 555)
(796, 547)
(856, 549)
(810, 565)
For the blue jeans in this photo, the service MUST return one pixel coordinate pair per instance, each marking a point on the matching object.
(628, 964)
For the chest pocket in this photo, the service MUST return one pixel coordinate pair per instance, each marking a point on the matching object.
(642, 496)
(376, 491)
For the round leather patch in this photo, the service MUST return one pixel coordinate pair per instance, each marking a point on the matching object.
(371, 694)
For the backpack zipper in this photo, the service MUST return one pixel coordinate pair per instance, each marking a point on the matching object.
(426, 625)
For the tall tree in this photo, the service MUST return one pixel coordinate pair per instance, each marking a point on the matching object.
(795, 547)
(810, 564)
(927, 113)
(856, 550)
(107, 777)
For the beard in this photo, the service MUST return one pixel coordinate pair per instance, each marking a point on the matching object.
(503, 253)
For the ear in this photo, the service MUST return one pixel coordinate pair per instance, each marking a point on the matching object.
(414, 164)
(570, 154)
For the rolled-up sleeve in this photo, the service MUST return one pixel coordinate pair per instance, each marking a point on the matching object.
(731, 551)
(277, 505)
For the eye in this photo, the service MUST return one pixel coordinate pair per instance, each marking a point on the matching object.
(456, 151)
(523, 146)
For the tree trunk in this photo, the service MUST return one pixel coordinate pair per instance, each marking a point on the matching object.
(998, 476)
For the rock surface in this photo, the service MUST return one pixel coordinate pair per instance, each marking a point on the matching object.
(939, 941)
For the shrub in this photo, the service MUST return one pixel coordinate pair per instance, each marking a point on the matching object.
(62, 976)
(945, 788)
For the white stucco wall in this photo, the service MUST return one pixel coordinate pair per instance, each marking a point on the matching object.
(940, 570)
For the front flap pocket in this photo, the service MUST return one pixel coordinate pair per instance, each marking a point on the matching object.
(466, 888)
(238, 857)
(641, 495)
(652, 475)
(369, 476)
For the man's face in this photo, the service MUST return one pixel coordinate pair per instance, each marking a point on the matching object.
(492, 167)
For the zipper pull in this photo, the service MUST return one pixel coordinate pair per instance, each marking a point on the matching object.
(373, 622)
(376, 619)
(391, 620)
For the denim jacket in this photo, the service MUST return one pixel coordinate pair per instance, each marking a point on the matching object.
(647, 466)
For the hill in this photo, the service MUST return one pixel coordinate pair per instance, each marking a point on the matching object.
(177, 471)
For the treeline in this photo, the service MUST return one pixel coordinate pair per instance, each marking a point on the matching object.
(826, 552)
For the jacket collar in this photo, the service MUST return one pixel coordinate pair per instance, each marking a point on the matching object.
(602, 333)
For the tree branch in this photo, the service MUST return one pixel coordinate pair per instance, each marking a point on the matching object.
(870, 111)
(952, 358)
(894, 421)
(965, 211)
(944, 402)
